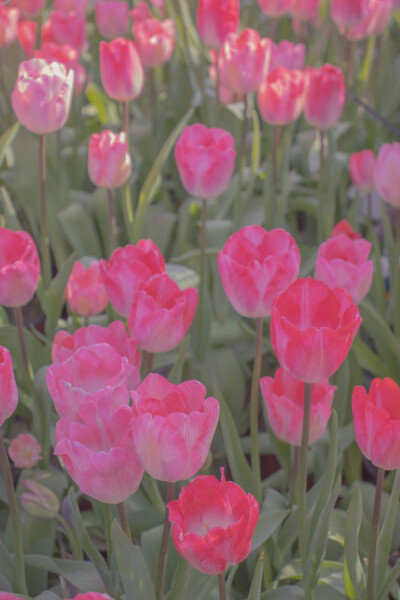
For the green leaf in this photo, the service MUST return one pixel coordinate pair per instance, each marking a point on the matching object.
(370, 361)
(390, 581)
(255, 589)
(386, 533)
(80, 231)
(182, 275)
(54, 298)
(180, 581)
(353, 572)
(266, 526)
(135, 577)
(153, 179)
(10, 214)
(99, 100)
(7, 567)
(7, 139)
(175, 374)
(82, 574)
(387, 343)
(285, 592)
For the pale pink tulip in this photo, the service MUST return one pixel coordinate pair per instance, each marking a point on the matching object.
(9, 396)
(387, 173)
(85, 291)
(19, 267)
(155, 41)
(109, 161)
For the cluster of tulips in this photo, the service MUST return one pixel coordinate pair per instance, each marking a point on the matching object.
(120, 422)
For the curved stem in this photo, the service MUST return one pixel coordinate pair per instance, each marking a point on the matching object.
(14, 516)
(374, 535)
(44, 236)
(221, 586)
(123, 518)
(302, 474)
(112, 221)
(255, 453)
(162, 561)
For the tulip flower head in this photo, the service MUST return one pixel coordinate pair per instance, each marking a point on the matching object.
(215, 19)
(286, 54)
(111, 18)
(25, 451)
(155, 41)
(348, 13)
(63, 28)
(19, 267)
(362, 167)
(344, 227)
(281, 96)
(387, 173)
(8, 25)
(9, 397)
(26, 36)
(85, 291)
(109, 161)
(275, 8)
(121, 70)
(325, 96)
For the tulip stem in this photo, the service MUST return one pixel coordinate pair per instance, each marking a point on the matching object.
(321, 190)
(125, 119)
(275, 152)
(123, 518)
(112, 221)
(153, 96)
(221, 586)
(255, 453)
(14, 516)
(374, 534)
(148, 358)
(44, 235)
(237, 209)
(162, 561)
(23, 346)
(302, 474)
(293, 475)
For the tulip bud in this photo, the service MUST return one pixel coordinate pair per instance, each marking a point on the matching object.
(41, 502)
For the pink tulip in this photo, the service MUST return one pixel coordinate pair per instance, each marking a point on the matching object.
(342, 263)
(305, 10)
(312, 329)
(375, 21)
(255, 266)
(126, 268)
(19, 267)
(284, 400)
(275, 8)
(281, 96)
(215, 19)
(28, 8)
(61, 28)
(71, 6)
(115, 335)
(161, 313)
(109, 161)
(226, 96)
(90, 373)
(362, 167)
(376, 419)
(348, 13)
(213, 523)
(155, 41)
(243, 61)
(98, 451)
(27, 36)
(111, 18)
(85, 291)
(68, 56)
(387, 173)
(25, 451)
(141, 12)
(8, 25)
(205, 159)
(344, 227)
(9, 596)
(9, 396)
(286, 54)
(325, 96)
(173, 427)
(121, 70)
(42, 95)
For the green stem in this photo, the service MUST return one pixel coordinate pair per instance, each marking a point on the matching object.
(107, 530)
(15, 521)
(45, 244)
(148, 358)
(293, 475)
(302, 474)
(321, 190)
(255, 453)
(125, 119)
(237, 209)
(374, 535)
(123, 518)
(112, 221)
(275, 152)
(23, 346)
(162, 561)
(153, 96)
(221, 587)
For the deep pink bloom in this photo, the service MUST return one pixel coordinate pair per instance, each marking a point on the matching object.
(161, 313)
(226, 96)
(85, 291)
(9, 396)
(9, 596)
(19, 267)
(325, 96)
(173, 427)
(362, 167)
(343, 263)
(140, 12)
(348, 13)
(155, 41)
(71, 6)
(111, 18)
(284, 399)
(215, 19)
(27, 36)
(42, 95)
(255, 266)
(281, 96)
(62, 28)
(205, 159)
(8, 25)
(24, 451)
(98, 451)
(115, 335)
(109, 161)
(387, 173)
(344, 227)
(375, 21)
(312, 329)
(243, 61)
(376, 416)
(287, 54)
(275, 8)
(121, 70)
(213, 523)
(125, 268)
(90, 373)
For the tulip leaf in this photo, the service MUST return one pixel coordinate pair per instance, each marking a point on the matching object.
(53, 301)
(135, 577)
(255, 589)
(183, 276)
(7, 567)
(153, 179)
(10, 214)
(369, 361)
(180, 581)
(7, 139)
(354, 578)
(387, 343)
(4, 585)
(386, 532)
(99, 100)
(390, 581)
(285, 592)
(237, 461)
(378, 283)
(266, 526)
(78, 227)
(82, 574)
(175, 374)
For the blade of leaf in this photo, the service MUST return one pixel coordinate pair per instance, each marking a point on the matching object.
(353, 573)
(255, 589)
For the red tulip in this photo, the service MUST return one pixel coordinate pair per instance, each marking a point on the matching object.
(19, 267)
(284, 399)
(376, 416)
(255, 266)
(387, 173)
(362, 166)
(215, 19)
(121, 70)
(155, 41)
(111, 18)
(24, 451)
(173, 427)
(9, 396)
(312, 329)
(325, 96)
(213, 523)
(281, 96)
(109, 161)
